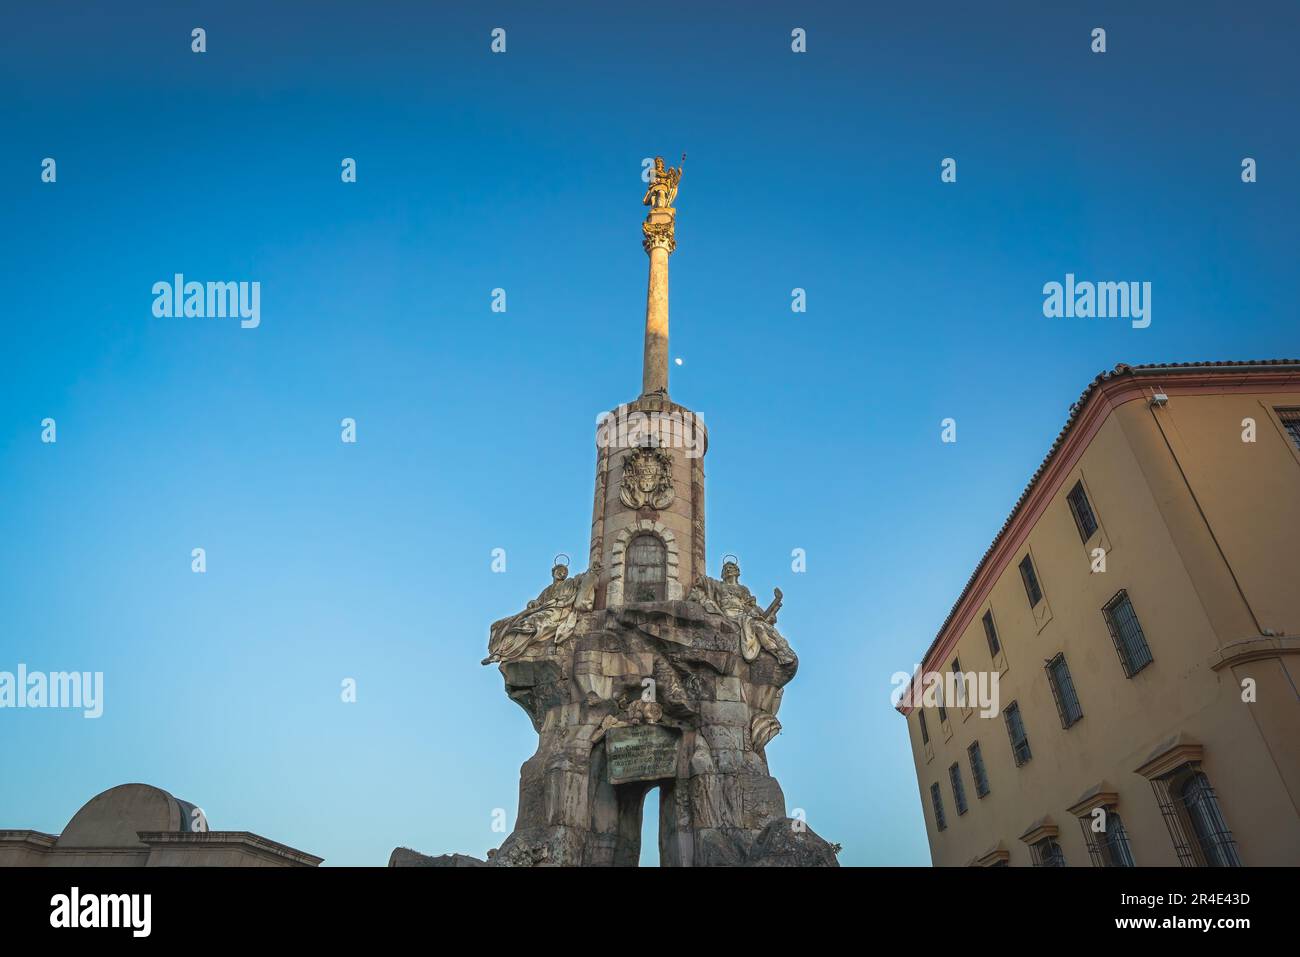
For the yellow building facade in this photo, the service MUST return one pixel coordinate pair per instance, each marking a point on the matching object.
(1139, 612)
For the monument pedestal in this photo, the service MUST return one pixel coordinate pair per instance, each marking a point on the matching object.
(604, 743)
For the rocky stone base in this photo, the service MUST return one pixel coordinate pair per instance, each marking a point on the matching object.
(677, 666)
(792, 843)
(405, 857)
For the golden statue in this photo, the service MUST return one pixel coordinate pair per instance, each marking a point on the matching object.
(663, 185)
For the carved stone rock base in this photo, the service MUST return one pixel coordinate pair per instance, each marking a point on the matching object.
(677, 666)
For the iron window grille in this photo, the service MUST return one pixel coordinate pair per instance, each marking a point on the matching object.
(1291, 422)
(1016, 732)
(1108, 847)
(647, 568)
(1081, 508)
(958, 792)
(937, 799)
(1062, 685)
(1048, 853)
(1196, 826)
(1030, 577)
(1126, 632)
(991, 633)
(977, 770)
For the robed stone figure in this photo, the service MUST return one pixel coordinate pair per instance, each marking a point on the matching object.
(552, 614)
(736, 602)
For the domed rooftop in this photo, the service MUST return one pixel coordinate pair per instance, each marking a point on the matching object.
(114, 818)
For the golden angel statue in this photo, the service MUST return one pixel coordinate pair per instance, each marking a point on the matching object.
(662, 190)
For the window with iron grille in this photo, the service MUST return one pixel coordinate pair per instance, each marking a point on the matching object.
(958, 792)
(959, 679)
(1106, 838)
(1016, 732)
(1082, 510)
(1067, 702)
(991, 633)
(1196, 826)
(925, 732)
(647, 568)
(1047, 853)
(1126, 632)
(1030, 578)
(1291, 422)
(977, 769)
(937, 800)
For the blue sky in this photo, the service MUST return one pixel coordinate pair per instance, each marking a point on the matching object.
(476, 429)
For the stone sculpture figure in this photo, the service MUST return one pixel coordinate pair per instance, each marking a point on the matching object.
(553, 613)
(734, 601)
(662, 191)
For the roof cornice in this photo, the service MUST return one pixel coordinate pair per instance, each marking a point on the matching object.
(1106, 392)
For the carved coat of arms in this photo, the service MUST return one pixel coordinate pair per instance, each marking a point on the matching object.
(647, 479)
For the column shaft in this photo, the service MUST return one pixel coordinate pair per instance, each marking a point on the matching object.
(654, 376)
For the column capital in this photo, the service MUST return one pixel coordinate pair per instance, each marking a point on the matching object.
(658, 235)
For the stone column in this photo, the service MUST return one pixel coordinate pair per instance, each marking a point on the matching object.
(659, 243)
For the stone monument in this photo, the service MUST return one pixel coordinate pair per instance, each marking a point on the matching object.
(642, 671)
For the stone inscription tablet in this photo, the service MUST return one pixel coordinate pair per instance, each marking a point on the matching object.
(641, 752)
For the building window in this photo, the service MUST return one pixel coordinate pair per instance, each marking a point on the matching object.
(1016, 732)
(647, 568)
(959, 679)
(925, 732)
(1030, 578)
(937, 799)
(1047, 853)
(1191, 811)
(1082, 510)
(1067, 702)
(991, 633)
(958, 792)
(1291, 422)
(977, 769)
(1131, 644)
(1106, 838)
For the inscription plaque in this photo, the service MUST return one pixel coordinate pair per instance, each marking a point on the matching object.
(641, 752)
